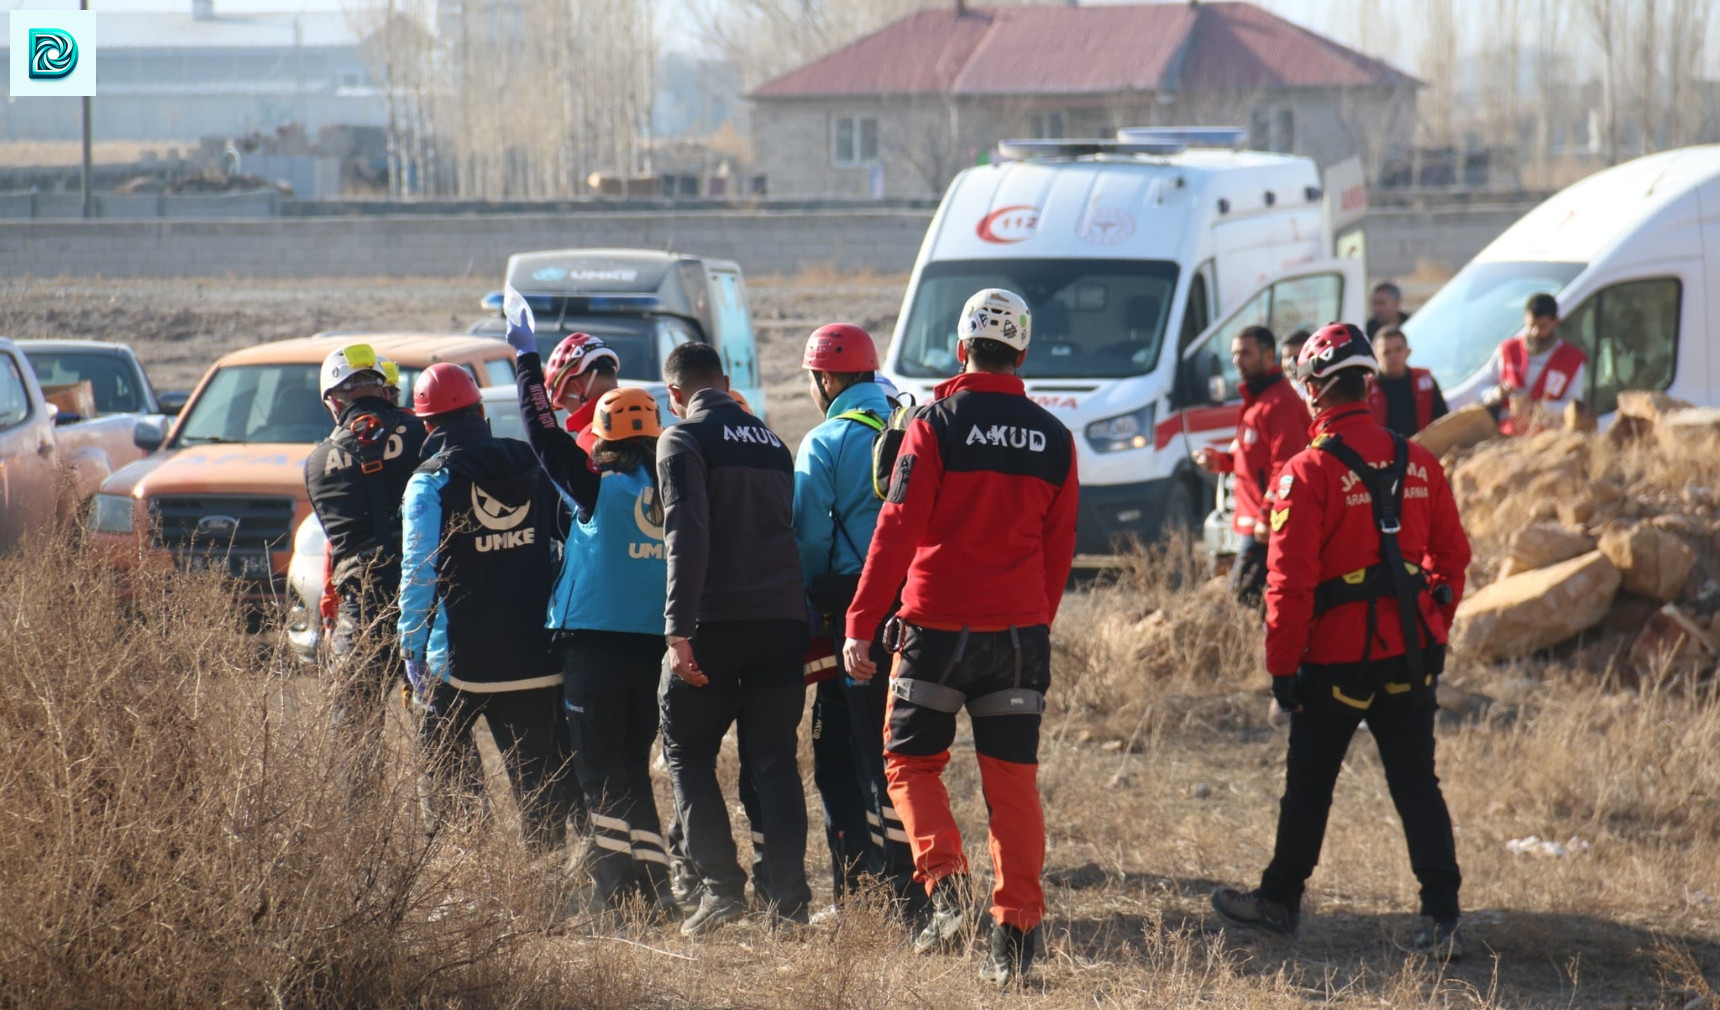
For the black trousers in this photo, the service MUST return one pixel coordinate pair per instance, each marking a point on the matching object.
(868, 705)
(1402, 727)
(526, 726)
(755, 677)
(1248, 574)
(610, 693)
(836, 771)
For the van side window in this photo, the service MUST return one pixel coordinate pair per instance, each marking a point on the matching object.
(14, 395)
(1213, 357)
(1305, 302)
(498, 372)
(1196, 317)
(1630, 332)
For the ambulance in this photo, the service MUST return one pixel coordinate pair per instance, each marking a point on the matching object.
(1140, 258)
(1632, 254)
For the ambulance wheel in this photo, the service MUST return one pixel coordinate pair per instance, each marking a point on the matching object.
(1182, 513)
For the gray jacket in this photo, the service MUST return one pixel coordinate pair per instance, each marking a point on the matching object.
(728, 518)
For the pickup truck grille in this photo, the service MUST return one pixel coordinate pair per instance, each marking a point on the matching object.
(264, 523)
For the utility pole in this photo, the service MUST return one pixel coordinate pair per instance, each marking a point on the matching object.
(89, 204)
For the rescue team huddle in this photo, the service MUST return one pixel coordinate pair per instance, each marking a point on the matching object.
(615, 580)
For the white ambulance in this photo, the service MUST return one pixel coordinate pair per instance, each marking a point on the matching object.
(1631, 253)
(1140, 259)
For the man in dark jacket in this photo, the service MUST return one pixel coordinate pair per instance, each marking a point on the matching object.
(980, 521)
(1402, 398)
(355, 479)
(735, 622)
(476, 575)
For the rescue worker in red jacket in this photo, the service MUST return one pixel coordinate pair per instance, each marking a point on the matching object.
(1402, 399)
(1273, 427)
(1535, 365)
(1366, 555)
(980, 519)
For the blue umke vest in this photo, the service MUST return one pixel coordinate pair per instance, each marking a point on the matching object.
(613, 573)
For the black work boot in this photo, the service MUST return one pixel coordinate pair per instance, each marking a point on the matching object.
(949, 915)
(1010, 956)
(1441, 941)
(1251, 911)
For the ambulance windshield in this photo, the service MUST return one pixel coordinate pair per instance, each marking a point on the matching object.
(1456, 331)
(1098, 319)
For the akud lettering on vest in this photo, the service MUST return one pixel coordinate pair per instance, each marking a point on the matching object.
(1009, 436)
(757, 436)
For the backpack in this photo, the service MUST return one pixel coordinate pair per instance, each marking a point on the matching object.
(887, 442)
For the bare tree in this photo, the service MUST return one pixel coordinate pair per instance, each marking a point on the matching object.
(1439, 71)
(1602, 17)
(1687, 30)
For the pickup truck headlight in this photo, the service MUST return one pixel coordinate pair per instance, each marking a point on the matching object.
(113, 513)
(1126, 431)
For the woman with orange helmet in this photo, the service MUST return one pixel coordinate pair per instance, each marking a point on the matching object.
(606, 616)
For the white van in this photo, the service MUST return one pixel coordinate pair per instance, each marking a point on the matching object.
(1631, 254)
(1127, 251)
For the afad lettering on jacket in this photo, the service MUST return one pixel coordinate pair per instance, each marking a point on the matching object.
(391, 449)
(1009, 436)
(757, 436)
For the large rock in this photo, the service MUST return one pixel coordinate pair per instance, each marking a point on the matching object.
(1690, 434)
(1672, 641)
(1648, 406)
(1543, 544)
(1536, 610)
(1654, 562)
(1459, 429)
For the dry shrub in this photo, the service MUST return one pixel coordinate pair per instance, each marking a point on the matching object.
(180, 826)
(1158, 629)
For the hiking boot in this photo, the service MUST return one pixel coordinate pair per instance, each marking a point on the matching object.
(1251, 911)
(949, 915)
(1442, 941)
(714, 910)
(1010, 956)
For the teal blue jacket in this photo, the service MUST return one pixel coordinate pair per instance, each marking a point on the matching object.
(835, 508)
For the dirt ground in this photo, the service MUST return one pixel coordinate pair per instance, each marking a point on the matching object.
(178, 327)
(1161, 773)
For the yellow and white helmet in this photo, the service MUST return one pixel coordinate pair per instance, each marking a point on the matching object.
(350, 361)
(996, 314)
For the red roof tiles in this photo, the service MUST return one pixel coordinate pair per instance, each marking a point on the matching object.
(1053, 50)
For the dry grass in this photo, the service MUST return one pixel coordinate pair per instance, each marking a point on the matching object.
(179, 829)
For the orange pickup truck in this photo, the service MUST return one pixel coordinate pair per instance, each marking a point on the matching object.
(51, 459)
(227, 488)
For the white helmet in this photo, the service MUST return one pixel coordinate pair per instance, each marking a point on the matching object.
(350, 361)
(995, 314)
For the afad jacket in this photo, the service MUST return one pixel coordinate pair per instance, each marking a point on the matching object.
(1323, 528)
(1273, 427)
(980, 517)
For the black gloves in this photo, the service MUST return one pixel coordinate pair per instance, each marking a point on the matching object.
(1284, 690)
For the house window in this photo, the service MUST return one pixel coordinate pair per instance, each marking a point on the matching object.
(855, 141)
(1272, 129)
(1048, 126)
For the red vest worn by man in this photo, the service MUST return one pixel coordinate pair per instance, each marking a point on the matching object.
(1564, 365)
(1273, 427)
(1323, 528)
(1421, 383)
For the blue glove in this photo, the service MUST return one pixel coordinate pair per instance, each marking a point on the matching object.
(521, 325)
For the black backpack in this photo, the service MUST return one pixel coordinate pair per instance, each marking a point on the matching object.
(887, 444)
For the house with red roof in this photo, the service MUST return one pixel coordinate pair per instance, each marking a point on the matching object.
(900, 111)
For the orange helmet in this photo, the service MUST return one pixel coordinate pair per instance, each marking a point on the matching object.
(626, 412)
(735, 395)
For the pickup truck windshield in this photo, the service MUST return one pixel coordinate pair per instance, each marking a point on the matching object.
(257, 403)
(1096, 319)
(115, 380)
(1456, 331)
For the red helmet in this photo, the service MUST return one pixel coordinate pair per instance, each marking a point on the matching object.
(1333, 348)
(444, 387)
(841, 348)
(574, 356)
